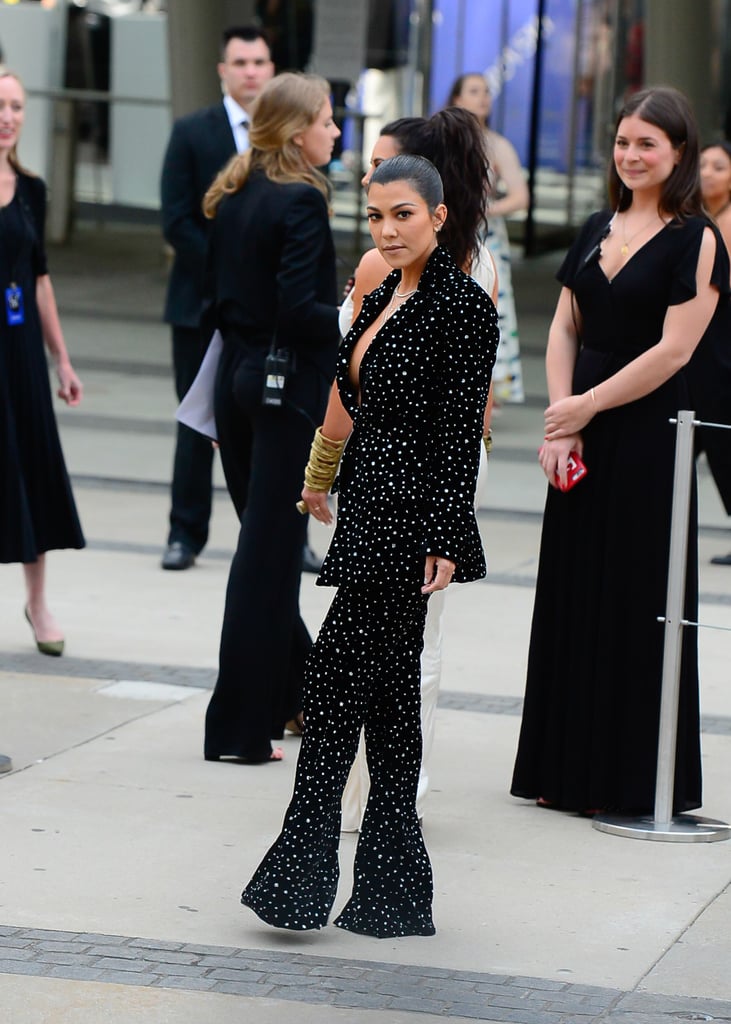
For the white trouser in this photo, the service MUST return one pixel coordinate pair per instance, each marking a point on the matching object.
(355, 794)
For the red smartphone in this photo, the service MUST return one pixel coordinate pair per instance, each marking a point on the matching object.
(575, 471)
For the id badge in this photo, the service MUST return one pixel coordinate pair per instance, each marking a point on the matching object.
(14, 305)
(276, 369)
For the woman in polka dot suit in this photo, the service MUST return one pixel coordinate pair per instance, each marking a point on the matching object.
(413, 373)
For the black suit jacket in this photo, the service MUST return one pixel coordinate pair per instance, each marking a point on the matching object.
(271, 273)
(200, 145)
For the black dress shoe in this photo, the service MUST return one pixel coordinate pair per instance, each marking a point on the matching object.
(721, 560)
(177, 556)
(310, 561)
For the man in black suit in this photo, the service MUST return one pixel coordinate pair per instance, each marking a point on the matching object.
(200, 145)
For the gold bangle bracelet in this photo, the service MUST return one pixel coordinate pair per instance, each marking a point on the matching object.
(323, 462)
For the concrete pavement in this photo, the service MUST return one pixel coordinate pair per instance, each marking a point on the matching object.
(123, 853)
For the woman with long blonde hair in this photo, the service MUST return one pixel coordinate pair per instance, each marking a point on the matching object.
(271, 291)
(37, 510)
(289, 106)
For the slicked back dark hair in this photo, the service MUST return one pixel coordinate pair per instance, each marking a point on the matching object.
(669, 110)
(454, 142)
(419, 172)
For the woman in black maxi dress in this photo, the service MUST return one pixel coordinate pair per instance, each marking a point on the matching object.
(641, 288)
(37, 510)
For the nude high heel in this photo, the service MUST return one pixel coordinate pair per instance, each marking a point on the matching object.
(54, 648)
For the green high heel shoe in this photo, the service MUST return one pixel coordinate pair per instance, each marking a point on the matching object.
(54, 648)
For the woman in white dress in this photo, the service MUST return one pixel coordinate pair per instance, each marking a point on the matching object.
(509, 194)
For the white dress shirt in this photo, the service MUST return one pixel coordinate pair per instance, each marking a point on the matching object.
(239, 121)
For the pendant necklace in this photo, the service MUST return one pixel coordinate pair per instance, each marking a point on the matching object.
(624, 250)
(392, 307)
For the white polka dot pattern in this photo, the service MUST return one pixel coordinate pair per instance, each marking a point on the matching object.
(406, 490)
(409, 471)
(364, 670)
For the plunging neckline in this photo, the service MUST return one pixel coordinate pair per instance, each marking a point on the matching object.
(611, 280)
(369, 346)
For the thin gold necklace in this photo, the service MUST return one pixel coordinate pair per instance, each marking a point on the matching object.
(624, 250)
(392, 307)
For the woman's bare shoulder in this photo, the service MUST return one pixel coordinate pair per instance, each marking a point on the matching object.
(369, 273)
(372, 269)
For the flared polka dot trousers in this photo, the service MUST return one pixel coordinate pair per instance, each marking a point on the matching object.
(363, 671)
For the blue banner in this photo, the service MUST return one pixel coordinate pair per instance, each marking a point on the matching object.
(497, 38)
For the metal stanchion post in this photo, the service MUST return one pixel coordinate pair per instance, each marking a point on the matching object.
(683, 828)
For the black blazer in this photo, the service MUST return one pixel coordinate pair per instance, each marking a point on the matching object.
(271, 272)
(200, 145)
(409, 470)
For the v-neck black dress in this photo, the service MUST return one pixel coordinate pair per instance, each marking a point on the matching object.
(37, 510)
(590, 721)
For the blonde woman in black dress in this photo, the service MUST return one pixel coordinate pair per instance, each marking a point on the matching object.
(413, 373)
(37, 510)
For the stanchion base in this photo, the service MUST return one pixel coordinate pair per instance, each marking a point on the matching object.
(684, 828)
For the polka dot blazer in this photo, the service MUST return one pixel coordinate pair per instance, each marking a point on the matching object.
(408, 474)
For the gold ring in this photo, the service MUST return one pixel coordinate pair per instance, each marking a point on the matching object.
(302, 508)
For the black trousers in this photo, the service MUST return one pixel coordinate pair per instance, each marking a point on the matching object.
(264, 642)
(364, 671)
(192, 487)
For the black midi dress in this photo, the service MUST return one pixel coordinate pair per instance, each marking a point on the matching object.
(37, 510)
(589, 733)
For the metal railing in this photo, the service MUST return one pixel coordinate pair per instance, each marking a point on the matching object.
(663, 826)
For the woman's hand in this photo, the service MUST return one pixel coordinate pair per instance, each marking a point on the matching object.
(348, 287)
(438, 573)
(70, 387)
(568, 416)
(317, 505)
(553, 456)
